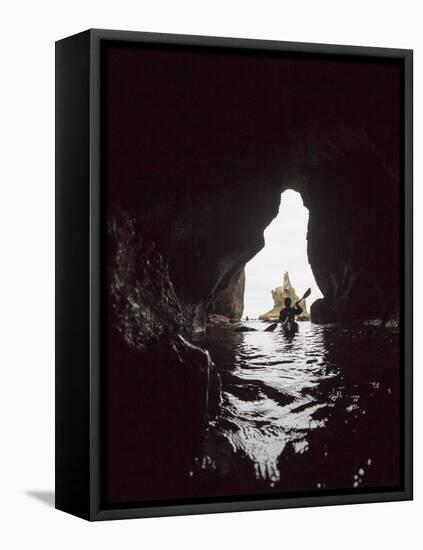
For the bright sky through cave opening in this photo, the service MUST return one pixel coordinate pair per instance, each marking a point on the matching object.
(285, 250)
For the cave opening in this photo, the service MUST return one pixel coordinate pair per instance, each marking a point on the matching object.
(283, 260)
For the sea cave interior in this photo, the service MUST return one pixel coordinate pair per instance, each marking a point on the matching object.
(222, 412)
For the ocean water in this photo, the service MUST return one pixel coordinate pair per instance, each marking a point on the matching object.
(316, 412)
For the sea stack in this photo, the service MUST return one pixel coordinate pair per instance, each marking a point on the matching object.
(279, 294)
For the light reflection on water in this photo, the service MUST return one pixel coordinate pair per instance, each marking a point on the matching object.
(281, 396)
(282, 371)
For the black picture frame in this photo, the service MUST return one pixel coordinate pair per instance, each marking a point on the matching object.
(79, 284)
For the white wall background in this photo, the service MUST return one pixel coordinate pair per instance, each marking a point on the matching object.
(28, 31)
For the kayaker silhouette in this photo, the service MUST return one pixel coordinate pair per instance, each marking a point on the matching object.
(287, 316)
(288, 313)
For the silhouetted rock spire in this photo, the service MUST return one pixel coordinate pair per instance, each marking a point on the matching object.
(279, 294)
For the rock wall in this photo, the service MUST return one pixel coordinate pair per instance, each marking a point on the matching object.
(229, 302)
(144, 311)
(279, 294)
(161, 389)
(354, 237)
(201, 168)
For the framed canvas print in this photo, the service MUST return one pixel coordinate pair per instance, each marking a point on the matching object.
(234, 274)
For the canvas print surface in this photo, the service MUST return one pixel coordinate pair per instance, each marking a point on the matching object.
(253, 293)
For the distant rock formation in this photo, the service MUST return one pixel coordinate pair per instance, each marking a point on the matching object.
(279, 294)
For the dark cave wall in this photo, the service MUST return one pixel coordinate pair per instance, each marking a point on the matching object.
(352, 192)
(207, 236)
(200, 147)
(161, 390)
(353, 238)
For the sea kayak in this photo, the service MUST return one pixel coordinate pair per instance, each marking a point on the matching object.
(290, 328)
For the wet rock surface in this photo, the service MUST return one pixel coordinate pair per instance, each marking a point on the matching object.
(143, 302)
(161, 389)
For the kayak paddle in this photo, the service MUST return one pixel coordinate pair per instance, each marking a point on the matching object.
(272, 327)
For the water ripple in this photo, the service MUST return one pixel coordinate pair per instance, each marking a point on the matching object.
(280, 398)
